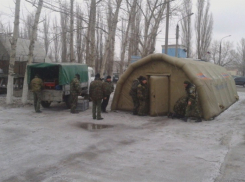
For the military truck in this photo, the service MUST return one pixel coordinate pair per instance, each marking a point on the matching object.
(57, 78)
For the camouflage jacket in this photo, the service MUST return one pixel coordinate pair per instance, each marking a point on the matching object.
(97, 90)
(142, 92)
(191, 93)
(133, 89)
(75, 86)
(36, 84)
(109, 87)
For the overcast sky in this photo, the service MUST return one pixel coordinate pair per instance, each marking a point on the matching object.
(228, 18)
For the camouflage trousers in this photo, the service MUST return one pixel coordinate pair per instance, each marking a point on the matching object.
(96, 109)
(180, 107)
(74, 99)
(37, 100)
(192, 110)
(105, 103)
(142, 108)
(136, 104)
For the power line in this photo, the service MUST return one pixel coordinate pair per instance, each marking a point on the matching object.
(85, 19)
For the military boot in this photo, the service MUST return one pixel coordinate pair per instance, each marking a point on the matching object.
(185, 119)
(198, 120)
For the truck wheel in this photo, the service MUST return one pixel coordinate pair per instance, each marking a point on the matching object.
(68, 101)
(45, 104)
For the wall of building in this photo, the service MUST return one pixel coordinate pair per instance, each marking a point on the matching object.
(171, 52)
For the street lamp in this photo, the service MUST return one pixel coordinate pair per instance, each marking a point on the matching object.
(220, 47)
(177, 34)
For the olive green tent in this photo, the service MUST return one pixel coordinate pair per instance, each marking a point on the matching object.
(64, 72)
(215, 86)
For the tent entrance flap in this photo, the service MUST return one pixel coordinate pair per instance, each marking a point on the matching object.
(159, 95)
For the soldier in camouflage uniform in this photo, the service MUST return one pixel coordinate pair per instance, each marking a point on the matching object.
(180, 107)
(133, 94)
(109, 87)
(142, 95)
(97, 93)
(192, 108)
(75, 89)
(37, 86)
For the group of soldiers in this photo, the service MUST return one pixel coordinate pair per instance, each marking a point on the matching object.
(184, 108)
(99, 93)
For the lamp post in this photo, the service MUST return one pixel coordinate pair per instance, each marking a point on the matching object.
(220, 47)
(177, 34)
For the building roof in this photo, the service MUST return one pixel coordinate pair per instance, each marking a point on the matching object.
(22, 50)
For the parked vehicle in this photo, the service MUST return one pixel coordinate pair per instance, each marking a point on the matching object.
(3, 83)
(57, 78)
(240, 81)
(234, 76)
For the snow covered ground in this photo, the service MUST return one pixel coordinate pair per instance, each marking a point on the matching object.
(53, 147)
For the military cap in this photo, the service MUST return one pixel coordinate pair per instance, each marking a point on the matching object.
(97, 75)
(143, 78)
(187, 82)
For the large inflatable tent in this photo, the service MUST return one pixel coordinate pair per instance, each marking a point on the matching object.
(215, 86)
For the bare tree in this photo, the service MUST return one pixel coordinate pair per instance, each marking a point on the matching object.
(9, 98)
(90, 42)
(28, 22)
(111, 35)
(31, 48)
(204, 28)
(80, 41)
(64, 29)
(46, 34)
(100, 41)
(227, 57)
(125, 32)
(152, 17)
(241, 56)
(186, 26)
(72, 58)
(56, 41)
(134, 31)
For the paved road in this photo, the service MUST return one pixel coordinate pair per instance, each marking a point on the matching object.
(240, 88)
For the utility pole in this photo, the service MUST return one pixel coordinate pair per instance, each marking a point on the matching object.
(177, 40)
(177, 34)
(167, 28)
(220, 47)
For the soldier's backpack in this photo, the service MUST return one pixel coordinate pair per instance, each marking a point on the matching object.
(180, 106)
(133, 90)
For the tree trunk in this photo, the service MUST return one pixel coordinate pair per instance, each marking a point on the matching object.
(9, 98)
(31, 48)
(72, 59)
(111, 37)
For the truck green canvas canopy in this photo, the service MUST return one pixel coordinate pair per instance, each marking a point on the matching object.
(64, 72)
(165, 74)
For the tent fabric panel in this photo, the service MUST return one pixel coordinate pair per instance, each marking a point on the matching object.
(66, 71)
(154, 68)
(158, 91)
(215, 86)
